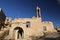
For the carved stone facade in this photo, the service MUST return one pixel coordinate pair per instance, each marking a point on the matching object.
(26, 27)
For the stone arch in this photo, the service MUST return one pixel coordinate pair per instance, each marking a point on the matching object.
(18, 33)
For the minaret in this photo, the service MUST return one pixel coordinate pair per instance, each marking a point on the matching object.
(38, 12)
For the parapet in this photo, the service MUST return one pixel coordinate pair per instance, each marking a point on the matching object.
(47, 22)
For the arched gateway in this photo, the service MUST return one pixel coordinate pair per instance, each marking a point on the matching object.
(17, 33)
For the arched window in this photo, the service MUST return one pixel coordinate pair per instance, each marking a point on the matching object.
(27, 24)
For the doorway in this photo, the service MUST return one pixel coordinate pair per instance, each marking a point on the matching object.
(18, 33)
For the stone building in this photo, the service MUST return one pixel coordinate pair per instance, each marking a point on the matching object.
(2, 18)
(26, 27)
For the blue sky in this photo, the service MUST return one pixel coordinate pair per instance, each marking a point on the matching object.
(50, 9)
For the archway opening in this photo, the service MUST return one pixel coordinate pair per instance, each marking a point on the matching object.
(19, 33)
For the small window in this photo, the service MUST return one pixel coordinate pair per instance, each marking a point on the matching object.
(44, 28)
(27, 24)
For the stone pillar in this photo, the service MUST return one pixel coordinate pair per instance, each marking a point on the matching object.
(16, 34)
(19, 36)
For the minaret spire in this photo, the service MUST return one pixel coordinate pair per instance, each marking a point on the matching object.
(37, 11)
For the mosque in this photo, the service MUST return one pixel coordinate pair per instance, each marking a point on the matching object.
(26, 27)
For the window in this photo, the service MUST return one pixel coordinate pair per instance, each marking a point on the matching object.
(44, 28)
(27, 24)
